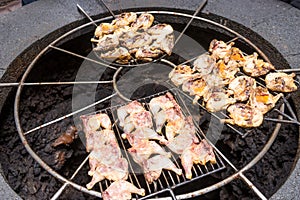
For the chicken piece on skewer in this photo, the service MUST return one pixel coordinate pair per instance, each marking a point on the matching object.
(244, 116)
(204, 64)
(227, 71)
(143, 133)
(134, 40)
(219, 49)
(124, 19)
(256, 67)
(185, 137)
(164, 43)
(107, 42)
(196, 86)
(219, 100)
(242, 87)
(235, 55)
(120, 55)
(281, 82)
(121, 190)
(160, 30)
(104, 29)
(144, 21)
(180, 74)
(144, 149)
(154, 166)
(262, 100)
(197, 154)
(147, 53)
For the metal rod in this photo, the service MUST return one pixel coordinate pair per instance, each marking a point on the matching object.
(285, 115)
(68, 115)
(80, 56)
(200, 7)
(85, 13)
(55, 83)
(288, 105)
(115, 85)
(252, 186)
(111, 12)
(295, 70)
(58, 193)
(283, 121)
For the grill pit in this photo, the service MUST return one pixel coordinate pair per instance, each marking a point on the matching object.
(46, 100)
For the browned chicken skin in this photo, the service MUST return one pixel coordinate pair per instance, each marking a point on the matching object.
(262, 100)
(244, 115)
(281, 82)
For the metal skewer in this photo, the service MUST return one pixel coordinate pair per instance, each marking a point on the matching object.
(81, 10)
(54, 83)
(111, 12)
(200, 7)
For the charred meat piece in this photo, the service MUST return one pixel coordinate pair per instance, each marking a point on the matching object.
(121, 190)
(67, 137)
(154, 166)
(204, 64)
(124, 19)
(242, 87)
(262, 100)
(244, 116)
(281, 82)
(144, 21)
(256, 67)
(219, 49)
(120, 54)
(180, 74)
(219, 100)
(197, 154)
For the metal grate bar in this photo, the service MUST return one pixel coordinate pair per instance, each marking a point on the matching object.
(68, 115)
(80, 56)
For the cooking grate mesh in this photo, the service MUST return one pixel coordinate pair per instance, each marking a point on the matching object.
(168, 181)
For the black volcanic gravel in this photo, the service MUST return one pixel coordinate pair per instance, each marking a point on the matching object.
(40, 104)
